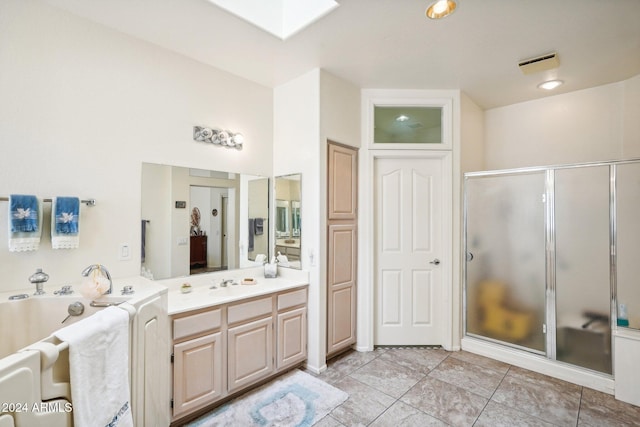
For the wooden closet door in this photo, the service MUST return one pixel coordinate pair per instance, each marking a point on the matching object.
(343, 183)
(342, 247)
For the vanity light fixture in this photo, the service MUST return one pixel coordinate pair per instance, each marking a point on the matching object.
(440, 9)
(550, 84)
(218, 137)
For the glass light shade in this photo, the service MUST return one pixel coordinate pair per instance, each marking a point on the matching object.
(206, 133)
(223, 137)
(238, 139)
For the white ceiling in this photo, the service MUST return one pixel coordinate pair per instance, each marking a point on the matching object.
(391, 44)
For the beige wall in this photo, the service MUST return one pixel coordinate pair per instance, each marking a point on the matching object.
(576, 127)
(471, 135)
(631, 125)
(307, 111)
(83, 106)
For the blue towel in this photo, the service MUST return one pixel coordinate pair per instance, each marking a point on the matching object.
(24, 213)
(251, 234)
(67, 214)
(258, 226)
(143, 242)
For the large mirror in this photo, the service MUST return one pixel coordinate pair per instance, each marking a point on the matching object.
(288, 219)
(197, 221)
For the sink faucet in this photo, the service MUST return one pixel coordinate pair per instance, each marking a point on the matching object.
(86, 271)
(223, 282)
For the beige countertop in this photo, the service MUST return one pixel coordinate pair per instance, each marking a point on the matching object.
(143, 289)
(202, 296)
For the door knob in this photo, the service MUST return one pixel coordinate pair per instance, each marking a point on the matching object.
(435, 262)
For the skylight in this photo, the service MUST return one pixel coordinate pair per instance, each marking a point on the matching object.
(281, 18)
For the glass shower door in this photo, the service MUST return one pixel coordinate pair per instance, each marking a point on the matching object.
(582, 285)
(505, 268)
(628, 244)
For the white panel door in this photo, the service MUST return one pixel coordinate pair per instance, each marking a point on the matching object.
(408, 251)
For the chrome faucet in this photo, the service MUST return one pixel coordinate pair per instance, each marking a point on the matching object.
(38, 278)
(65, 290)
(86, 271)
(223, 283)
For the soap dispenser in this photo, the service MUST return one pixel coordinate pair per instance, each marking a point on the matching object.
(623, 318)
(271, 269)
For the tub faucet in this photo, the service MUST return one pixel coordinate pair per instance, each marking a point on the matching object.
(86, 271)
(38, 278)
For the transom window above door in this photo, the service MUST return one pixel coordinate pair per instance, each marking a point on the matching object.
(407, 125)
(408, 120)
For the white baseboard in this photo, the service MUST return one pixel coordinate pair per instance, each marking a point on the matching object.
(540, 364)
(315, 369)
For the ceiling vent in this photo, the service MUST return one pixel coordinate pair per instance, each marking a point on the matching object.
(540, 63)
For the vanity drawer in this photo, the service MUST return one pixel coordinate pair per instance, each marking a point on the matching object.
(293, 251)
(196, 323)
(292, 299)
(249, 310)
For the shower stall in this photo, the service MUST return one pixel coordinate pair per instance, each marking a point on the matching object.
(553, 259)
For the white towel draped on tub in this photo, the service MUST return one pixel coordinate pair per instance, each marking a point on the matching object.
(99, 369)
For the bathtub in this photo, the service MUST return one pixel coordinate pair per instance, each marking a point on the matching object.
(34, 365)
(26, 321)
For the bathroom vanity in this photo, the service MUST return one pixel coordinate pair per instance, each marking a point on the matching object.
(227, 339)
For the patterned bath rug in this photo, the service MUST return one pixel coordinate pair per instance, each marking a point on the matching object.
(295, 399)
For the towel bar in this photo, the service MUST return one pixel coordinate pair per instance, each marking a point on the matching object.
(88, 202)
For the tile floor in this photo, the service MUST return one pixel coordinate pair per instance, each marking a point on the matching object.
(431, 387)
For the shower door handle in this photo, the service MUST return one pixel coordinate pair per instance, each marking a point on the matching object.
(435, 262)
(469, 256)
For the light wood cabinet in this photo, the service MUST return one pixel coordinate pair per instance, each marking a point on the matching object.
(292, 253)
(342, 247)
(222, 350)
(342, 182)
(197, 360)
(292, 337)
(291, 328)
(197, 373)
(250, 352)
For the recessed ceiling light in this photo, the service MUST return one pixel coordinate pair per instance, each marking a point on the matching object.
(550, 85)
(402, 118)
(440, 9)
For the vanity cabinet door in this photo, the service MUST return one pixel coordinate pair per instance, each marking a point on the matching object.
(197, 373)
(250, 352)
(292, 337)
